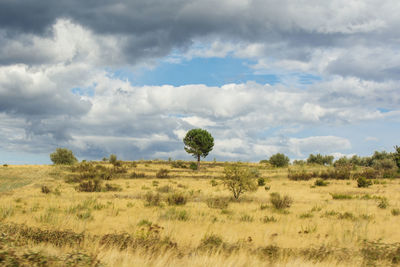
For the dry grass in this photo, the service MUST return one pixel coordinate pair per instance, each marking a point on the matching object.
(316, 230)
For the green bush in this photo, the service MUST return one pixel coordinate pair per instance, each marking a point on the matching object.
(211, 242)
(112, 187)
(152, 199)
(193, 166)
(137, 175)
(395, 212)
(302, 175)
(383, 203)
(177, 199)
(363, 182)
(93, 185)
(238, 180)
(279, 202)
(254, 172)
(320, 159)
(340, 172)
(113, 159)
(217, 203)
(368, 173)
(178, 164)
(63, 156)
(320, 182)
(45, 189)
(261, 181)
(174, 214)
(162, 173)
(341, 196)
(279, 160)
(269, 219)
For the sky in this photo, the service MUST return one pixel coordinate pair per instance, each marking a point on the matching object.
(262, 76)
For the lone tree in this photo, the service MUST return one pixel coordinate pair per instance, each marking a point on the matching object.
(239, 180)
(63, 156)
(199, 143)
(397, 156)
(279, 160)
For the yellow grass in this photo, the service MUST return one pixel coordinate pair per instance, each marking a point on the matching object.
(309, 223)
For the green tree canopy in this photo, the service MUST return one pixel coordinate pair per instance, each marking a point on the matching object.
(199, 143)
(279, 160)
(397, 156)
(239, 180)
(63, 156)
(320, 159)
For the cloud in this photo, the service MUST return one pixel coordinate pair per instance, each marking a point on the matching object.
(293, 35)
(150, 121)
(318, 144)
(58, 85)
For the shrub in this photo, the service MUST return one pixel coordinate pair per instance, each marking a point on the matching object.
(112, 187)
(268, 219)
(113, 159)
(341, 196)
(395, 212)
(320, 159)
(279, 160)
(178, 164)
(369, 173)
(246, 218)
(152, 199)
(211, 242)
(137, 175)
(63, 156)
(238, 180)
(383, 203)
(193, 166)
(363, 182)
(255, 173)
(396, 156)
(340, 172)
(279, 202)
(320, 182)
(177, 199)
(165, 189)
(174, 214)
(261, 181)
(162, 173)
(299, 175)
(45, 189)
(299, 162)
(90, 186)
(213, 182)
(217, 203)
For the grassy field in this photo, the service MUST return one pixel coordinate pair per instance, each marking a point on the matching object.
(334, 225)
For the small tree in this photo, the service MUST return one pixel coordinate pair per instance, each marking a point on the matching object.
(238, 180)
(199, 143)
(63, 156)
(279, 160)
(397, 156)
(113, 159)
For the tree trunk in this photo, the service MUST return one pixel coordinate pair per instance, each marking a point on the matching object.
(198, 162)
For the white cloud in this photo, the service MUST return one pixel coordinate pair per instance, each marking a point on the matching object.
(318, 144)
(352, 46)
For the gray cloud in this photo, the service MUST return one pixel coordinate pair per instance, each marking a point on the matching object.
(51, 47)
(152, 29)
